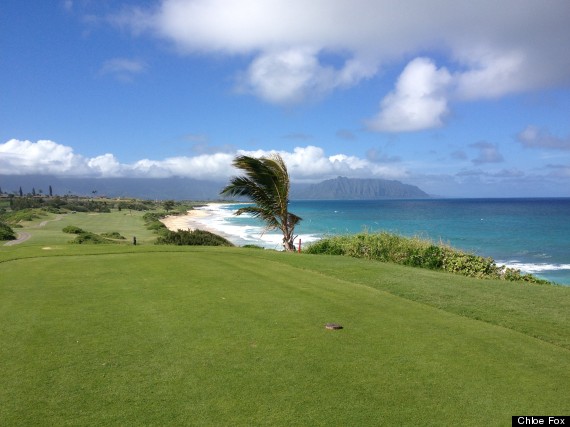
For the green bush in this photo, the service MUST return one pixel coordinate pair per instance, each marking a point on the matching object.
(6, 232)
(74, 207)
(113, 235)
(90, 238)
(153, 216)
(22, 215)
(135, 205)
(152, 222)
(72, 229)
(515, 275)
(192, 238)
(21, 203)
(417, 252)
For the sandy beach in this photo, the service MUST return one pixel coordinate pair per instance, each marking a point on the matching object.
(214, 217)
(202, 218)
(190, 221)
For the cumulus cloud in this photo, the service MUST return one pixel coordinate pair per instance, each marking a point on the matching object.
(491, 74)
(418, 102)
(311, 163)
(534, 137)
(304, 163)
(490, 48)
(41, 157)
(295, 75)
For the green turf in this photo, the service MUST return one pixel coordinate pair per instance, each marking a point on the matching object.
(147, 335)
(47, 230)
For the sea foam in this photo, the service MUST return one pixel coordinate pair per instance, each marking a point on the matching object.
(219, 219)
(534, 268)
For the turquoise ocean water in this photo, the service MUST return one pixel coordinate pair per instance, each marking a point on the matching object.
(530, 234)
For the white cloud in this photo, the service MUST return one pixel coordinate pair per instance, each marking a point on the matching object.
(42, 157)
(295, 75)
(491, 74)
(418, 102)
(106, 165)
(304, 164)
(311, 163)
(534, 137)
(491, 48)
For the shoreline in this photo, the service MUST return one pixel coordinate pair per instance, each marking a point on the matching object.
(213, 217)
(218, 218)
(187, 221)
(199, 218)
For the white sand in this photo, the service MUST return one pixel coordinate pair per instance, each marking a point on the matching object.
(194, 220)
(213, 219)
(185, 222)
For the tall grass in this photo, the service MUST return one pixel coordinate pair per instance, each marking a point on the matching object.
(417, 252)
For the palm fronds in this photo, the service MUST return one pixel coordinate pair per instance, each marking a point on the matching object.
(266, 183)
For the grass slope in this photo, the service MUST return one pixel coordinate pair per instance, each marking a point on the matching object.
(47, 230)
(154, 335)
(224, 337)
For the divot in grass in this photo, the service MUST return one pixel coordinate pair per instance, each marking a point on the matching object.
(333, 326)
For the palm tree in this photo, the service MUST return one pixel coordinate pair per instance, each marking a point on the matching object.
(266, 183)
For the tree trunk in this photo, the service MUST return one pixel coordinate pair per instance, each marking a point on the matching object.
(288, 245)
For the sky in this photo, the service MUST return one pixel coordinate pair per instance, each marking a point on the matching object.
(461, 98)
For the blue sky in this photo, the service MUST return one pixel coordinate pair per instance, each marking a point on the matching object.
(460, 98)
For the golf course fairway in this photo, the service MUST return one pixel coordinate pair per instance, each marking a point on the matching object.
(149, 335)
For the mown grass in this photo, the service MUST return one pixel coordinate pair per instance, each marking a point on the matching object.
(47, 230)
(125, 335)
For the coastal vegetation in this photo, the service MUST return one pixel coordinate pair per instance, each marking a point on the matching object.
(165, 334)
(192, 238)
(6, 232)
(417, 252)
(266, 183)
(87, 237)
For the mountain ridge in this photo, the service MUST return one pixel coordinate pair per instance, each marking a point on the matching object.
(342, 188)
(192, 189)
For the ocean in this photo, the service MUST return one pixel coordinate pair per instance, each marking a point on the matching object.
(532, 235)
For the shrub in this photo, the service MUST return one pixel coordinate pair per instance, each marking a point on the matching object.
(192, 238)
(455, 261)
(417, 252)
(6, 232)
(113, 235)
(72, 229)
(152, 216)
(90, 238)
(22, 215)
(515, 275)
(134, 205)
(152, 222)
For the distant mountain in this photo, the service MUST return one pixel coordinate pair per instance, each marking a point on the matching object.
(142, 188)
(343, 188)
(192, 189)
